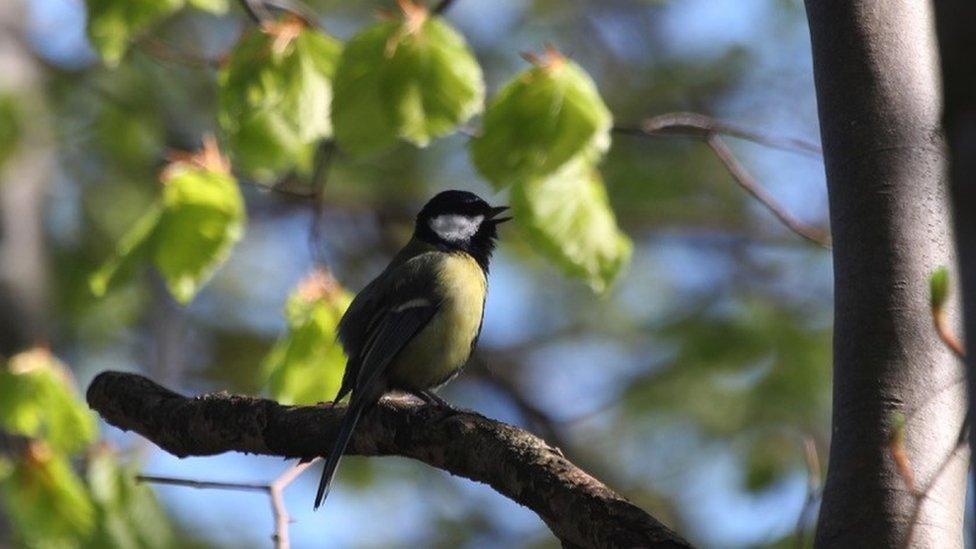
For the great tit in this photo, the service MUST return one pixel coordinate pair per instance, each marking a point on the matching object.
(415, 325)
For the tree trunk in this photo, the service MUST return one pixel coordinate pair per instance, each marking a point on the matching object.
(878, 92)
(957, 42)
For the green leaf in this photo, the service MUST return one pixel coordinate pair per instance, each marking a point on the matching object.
(203, 217)
(128, 515)
(568, 218)
(305, 365)
(939, 288)
(404, 79)
(112, 24)
(45, 501)
(274, 105)
(188, 234)
(37, 400)
(542, 120)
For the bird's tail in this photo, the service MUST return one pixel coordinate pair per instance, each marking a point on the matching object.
(349, 422)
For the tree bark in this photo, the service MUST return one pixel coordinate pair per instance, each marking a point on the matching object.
(579, 509)
(957, 43)
(878, 93)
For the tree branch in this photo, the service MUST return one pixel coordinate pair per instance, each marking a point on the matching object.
(698, 125)
(579, 509)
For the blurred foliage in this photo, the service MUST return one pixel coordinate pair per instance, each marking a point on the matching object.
(275, 94)
(305, 366)
(715, 340)
(128, 515)
(112, 24)
(10, 126)
(189, 233)
(37, 400)
(46, 501)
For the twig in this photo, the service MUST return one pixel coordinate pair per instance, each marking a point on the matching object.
(277, 492)
(698, 125)
(203, 484)
(256, 11)
(441, 7)
(325, 152)
(298, 9)
(922, 494)
(161, 50)
(274, 489)
(945, 333)
(708, 129)
(259, 13)
(751, 186)
(812, 459)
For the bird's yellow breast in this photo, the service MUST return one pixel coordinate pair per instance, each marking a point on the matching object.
(444, 345)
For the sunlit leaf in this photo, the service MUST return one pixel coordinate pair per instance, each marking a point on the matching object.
(112, 24)
(190, 232)
(275, 96)
(568, 219)
(306, 364)
(38, 400)
(128, 515)
(546, 117)
(413, 79)
(45, 501)
(203, 217)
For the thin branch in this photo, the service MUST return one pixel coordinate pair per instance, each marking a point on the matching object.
(441, 7)
(298, 9)
(162, 51)
(946, 334)
(698, 125)
(325, 154)
(256, 11)
(751, 186)
(274, 489)
(259, 13)
(579, 509)
(814, 485)
(277, 492)
(923, 493)
(203, 484)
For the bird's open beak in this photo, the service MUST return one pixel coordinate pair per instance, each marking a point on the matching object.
(496, 211)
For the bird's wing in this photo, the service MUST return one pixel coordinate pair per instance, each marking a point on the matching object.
(405, 314)
(407, 277)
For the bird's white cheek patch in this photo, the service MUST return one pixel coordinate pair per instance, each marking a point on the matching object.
(454, 227)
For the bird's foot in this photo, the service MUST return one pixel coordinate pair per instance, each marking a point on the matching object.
(433, 399)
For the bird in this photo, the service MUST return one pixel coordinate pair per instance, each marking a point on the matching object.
(415, 325)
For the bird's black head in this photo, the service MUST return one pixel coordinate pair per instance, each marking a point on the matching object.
(459, 220)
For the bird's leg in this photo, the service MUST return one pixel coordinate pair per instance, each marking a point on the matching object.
(433, 399)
